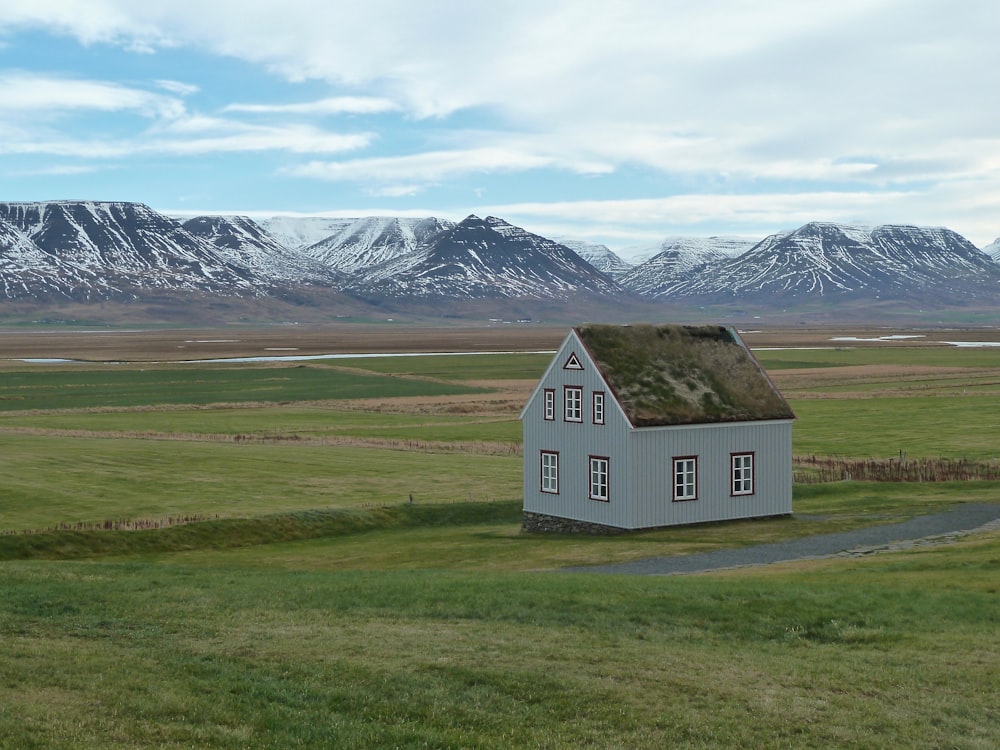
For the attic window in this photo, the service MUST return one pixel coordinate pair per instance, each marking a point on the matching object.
(573, 363)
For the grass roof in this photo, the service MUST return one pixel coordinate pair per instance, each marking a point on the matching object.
(671, 374)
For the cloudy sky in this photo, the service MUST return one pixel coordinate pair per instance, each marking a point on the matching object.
(620, 122)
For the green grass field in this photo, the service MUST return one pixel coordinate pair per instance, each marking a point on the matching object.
(315, 606)
(77, 387)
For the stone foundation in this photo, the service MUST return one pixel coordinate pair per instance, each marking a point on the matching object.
(545, 524)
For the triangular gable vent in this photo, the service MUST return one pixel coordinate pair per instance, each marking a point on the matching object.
(573, 363)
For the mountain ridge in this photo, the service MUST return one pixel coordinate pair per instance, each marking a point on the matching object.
(94, 251)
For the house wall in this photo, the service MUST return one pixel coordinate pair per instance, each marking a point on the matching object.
(651, 455)
(575, 443)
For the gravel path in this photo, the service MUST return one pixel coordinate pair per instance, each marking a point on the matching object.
(936, 528)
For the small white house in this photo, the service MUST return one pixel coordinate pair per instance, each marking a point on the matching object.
(635, 427)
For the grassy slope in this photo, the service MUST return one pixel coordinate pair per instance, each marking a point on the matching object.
(863, 653)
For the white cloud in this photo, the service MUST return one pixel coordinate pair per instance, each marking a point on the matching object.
(395, 191)
(297, 140)
(439, 165)
(33, 94)
(178, 87)
(350, 105)
(187, 136)
(59, 170)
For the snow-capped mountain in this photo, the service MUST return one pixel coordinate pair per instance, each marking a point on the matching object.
(486, 259)
(679, 261)
(125, 246)
(243, 242)
(726, 246)
(600, 257)
(993, 249)
(365, 243)
(28, 272)
(89, 251)
(299, 231)
(832, 260)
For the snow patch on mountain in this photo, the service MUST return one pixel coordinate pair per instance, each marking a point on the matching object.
(485, 259)
(823, 259)
(993, 249)
(126, 247)
(242, 241)
(600, 257)
(300, 231)
(367, 242)
(678, 261)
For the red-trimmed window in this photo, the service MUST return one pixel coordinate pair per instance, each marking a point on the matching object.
(742, 474)
(549, 399)
(685, 478)
(598, 407)
(573, 403)
(550, 472)
(599, 472)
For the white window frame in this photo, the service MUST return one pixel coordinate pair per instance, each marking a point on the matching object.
(600, 478)
(685, 478)
(572, 403)
(597, 404)
(549, 470)
(549, 401)
(742, 474)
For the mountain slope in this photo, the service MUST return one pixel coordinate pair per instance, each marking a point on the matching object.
(126, 245)
(28, 272)
(823, 260)
(679, 261)
(486, 259)
(367, 242)
(243, 242)
(600, 257)
(993, 249)
(296, 232)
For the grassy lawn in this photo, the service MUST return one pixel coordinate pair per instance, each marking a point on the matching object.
(86, 387)
(898, 651)
(52, 480)
(459, 366)
(840, 355)
(316, 607)
(921, 427)
(276, 421)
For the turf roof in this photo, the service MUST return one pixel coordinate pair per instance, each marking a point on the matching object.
(672, 374)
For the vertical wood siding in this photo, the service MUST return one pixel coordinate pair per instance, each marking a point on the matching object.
(652, 470)
(576, 442)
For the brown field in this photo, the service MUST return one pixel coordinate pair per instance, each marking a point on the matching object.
(507, 397)
(179, 344)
